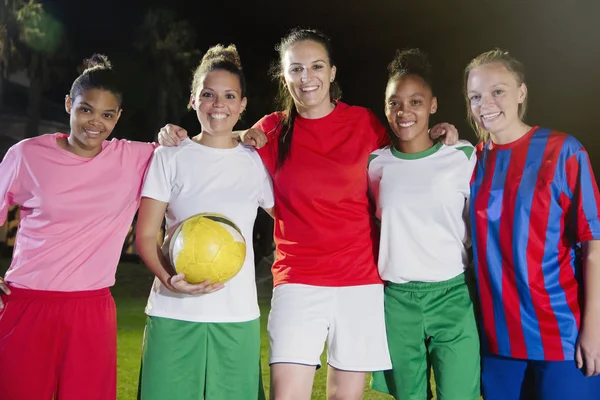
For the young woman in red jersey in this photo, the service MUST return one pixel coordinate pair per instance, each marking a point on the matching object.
(534, 205)
(327, 287)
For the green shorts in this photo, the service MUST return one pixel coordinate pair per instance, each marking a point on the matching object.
(195, 360)
(431, 325)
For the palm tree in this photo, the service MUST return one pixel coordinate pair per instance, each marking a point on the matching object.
(7, 28)
(29, 38)
(39, 45)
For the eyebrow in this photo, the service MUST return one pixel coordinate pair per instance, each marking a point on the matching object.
(91, 106)
(316, 61)
(226, 91)
(419, 94)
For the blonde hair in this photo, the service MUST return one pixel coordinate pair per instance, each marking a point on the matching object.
(511, 64)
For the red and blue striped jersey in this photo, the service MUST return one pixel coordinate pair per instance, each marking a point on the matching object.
(533, 202)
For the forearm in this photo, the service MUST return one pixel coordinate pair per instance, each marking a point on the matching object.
(591, 280)
(153, 257)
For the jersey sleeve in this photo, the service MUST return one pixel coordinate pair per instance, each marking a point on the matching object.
(267, 199)
(466, 210)
(159, 178)
(269, 125)
(9, 170)
(382, 138)
(581, 188)
(142, 154)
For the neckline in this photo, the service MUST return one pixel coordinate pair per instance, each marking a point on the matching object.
(59, 135)
(416, 156)
(331, 114)
(514, 143)
(214, 149)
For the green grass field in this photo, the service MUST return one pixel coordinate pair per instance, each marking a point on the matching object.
(131, 291)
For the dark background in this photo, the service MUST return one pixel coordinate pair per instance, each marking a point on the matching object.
(557, 40)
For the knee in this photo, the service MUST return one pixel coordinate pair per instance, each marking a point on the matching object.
(286, 393)
(345, 394)
(345, 385)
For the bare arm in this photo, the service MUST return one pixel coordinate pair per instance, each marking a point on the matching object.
(150, 219)
(588, 345)
(3, 288)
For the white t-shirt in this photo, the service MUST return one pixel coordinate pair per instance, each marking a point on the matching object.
(194, 179)
(422, 202)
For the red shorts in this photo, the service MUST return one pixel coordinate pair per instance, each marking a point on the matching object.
(61, 344)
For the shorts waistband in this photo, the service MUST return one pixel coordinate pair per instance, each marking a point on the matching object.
(33, 294)
(427, 286)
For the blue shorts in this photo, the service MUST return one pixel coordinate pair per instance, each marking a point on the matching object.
(505, 378)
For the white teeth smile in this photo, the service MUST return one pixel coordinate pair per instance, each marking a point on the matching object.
(92, 132)
(407, 124)
(218, 116)
(309, 88)
(489, 117)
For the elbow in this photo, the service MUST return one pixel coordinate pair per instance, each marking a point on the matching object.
(144, 243)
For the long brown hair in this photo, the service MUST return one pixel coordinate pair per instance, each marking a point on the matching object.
(284, 98)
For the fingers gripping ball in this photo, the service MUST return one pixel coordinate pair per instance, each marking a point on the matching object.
(207, 247)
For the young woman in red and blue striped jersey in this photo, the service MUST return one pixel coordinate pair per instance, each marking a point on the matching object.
(534, 205)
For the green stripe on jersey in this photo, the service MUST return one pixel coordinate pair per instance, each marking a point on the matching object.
(415, 156)
(371, 158)
(468, 150)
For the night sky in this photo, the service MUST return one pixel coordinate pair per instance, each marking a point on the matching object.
(557, 40)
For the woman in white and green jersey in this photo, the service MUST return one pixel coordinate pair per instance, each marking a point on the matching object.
(202, 341)
(421, 191)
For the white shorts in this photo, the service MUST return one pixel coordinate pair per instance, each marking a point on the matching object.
(351, 319)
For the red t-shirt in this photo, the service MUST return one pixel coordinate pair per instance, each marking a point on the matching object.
(323, 228)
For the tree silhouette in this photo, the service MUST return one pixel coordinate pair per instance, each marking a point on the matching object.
(168, 44)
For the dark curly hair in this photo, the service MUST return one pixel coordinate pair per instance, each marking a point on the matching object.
(97, 74)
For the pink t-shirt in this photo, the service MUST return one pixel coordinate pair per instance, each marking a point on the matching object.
(75, 211)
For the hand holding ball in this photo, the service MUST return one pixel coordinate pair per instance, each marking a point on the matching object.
(207, 247)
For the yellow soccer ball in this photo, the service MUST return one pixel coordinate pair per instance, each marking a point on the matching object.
(207, 246)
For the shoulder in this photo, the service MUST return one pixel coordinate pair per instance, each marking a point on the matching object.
(167, 155)
(42, 141)
(570, 142)
(355, 112)
(480, 147)
(252, 154)
(31, 147)
(464, 147)
(558, 142)
(140, 149)
(365, 120)
(270, 122)
(249, 150)
(377, 154)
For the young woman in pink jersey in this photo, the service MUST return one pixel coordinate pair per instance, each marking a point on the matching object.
(327, 288)
(78, 194)
(536, 229)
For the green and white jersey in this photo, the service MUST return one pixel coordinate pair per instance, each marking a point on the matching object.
(422, 202)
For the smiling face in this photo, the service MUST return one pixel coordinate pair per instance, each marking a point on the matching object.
(408, 104)
(94, 114)
(308, 73)
(218, 102)
(494, 96)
